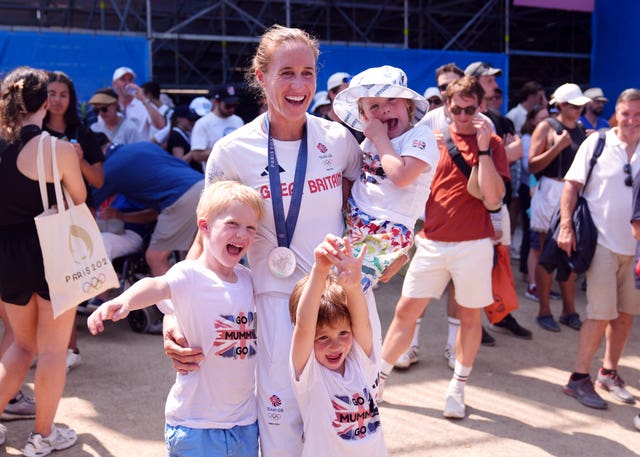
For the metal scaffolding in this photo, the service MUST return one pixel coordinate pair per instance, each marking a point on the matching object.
(195, 43)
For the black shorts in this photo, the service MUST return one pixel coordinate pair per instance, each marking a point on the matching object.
(21, 265)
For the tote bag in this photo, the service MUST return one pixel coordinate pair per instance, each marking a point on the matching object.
(76, 265)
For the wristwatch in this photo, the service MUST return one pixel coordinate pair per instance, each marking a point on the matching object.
(486, 152)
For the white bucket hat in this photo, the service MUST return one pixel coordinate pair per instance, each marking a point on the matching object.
(385, 81)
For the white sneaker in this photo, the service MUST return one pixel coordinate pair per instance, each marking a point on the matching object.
(408, 358)
(450, 355)
(454, 405)
(73, 359)
(60, 438)
(3, 434)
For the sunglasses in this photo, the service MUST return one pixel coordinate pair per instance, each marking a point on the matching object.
(443, 87)
(102, 109)
(470, 110)
(628, 180)
(576, 107)
(435, 101)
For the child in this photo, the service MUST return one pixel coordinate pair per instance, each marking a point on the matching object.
(399, 159)
(332, 359)
(210, 411)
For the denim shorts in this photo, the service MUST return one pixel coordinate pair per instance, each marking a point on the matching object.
(239, 441)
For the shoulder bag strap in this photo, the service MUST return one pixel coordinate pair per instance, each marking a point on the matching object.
(455, 154)
(602, 136)
(57, 183)
(42, 180)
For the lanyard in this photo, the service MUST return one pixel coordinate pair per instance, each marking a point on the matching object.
(286, 227)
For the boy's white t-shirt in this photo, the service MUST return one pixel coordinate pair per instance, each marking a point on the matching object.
(340, 413)
(376, 195)
(220, 318)
(333, 153)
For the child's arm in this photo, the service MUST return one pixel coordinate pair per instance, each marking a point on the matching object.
(143, 293)
(401, 170)
(304, 331)
(349, 277)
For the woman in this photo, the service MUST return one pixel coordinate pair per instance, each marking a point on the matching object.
(62, 121)
(284, 71)
(23, 288)
(110, 122)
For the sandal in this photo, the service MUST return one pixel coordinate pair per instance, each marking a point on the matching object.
(571, 320)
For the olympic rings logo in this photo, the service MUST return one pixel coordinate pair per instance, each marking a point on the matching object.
(93, 283)
(274, 416)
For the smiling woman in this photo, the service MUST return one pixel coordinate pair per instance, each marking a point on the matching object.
(285, 150)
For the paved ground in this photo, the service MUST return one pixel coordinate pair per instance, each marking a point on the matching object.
(115, 399)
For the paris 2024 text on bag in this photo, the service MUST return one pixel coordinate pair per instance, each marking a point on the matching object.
(76, 265)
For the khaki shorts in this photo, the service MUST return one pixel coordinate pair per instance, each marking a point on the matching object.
(177, 224)
(545, 202)
(467, 263)
(611, 286)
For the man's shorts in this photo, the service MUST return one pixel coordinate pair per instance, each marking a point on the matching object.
(177, 224)
(611, 285)
(467, 263)
(240, 441)
(545, 202)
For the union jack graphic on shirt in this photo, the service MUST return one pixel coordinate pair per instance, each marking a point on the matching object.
(356, 416)
(235, 336)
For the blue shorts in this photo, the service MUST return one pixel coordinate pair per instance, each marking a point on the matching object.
(239, 441)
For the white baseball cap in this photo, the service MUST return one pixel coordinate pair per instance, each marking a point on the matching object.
(121, 71)
(320, 99)
(337, 79)
(385, 81)
(569, 93)
(201, 105)
(432, 92)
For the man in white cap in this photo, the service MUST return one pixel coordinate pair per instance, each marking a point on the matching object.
(134, 104)
(336, 83)
(592, 116)
(554, 143)
(220, 121)
(432, 94)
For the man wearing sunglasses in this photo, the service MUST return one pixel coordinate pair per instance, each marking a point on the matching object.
(554, 143)
(612, 298)
(111, 122)
(220, 121)
(455, 242)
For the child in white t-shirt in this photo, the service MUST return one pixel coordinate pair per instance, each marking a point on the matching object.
(211, 411)
(333, 364)
(399, 160)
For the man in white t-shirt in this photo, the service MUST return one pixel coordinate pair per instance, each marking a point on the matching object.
(220, 121)
(531, 94)
(134, 105)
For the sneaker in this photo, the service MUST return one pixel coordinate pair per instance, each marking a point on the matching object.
(487, 339)
(454, 405)
(3, 434)
(614, 384)
(510, 325)
(21, 407)
(73, 359)
(60, 438)
(531, 292)
(583, 391)
(450, 355)
(548, 323)
(408, 358)
(571, 320)
(553, 295)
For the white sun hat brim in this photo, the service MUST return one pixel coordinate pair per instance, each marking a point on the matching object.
(387, 82)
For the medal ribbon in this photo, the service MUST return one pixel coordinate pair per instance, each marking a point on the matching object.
(286, 227)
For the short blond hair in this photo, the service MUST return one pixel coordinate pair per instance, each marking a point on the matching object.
(218, 196)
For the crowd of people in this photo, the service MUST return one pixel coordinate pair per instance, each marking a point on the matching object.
(326, 193)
